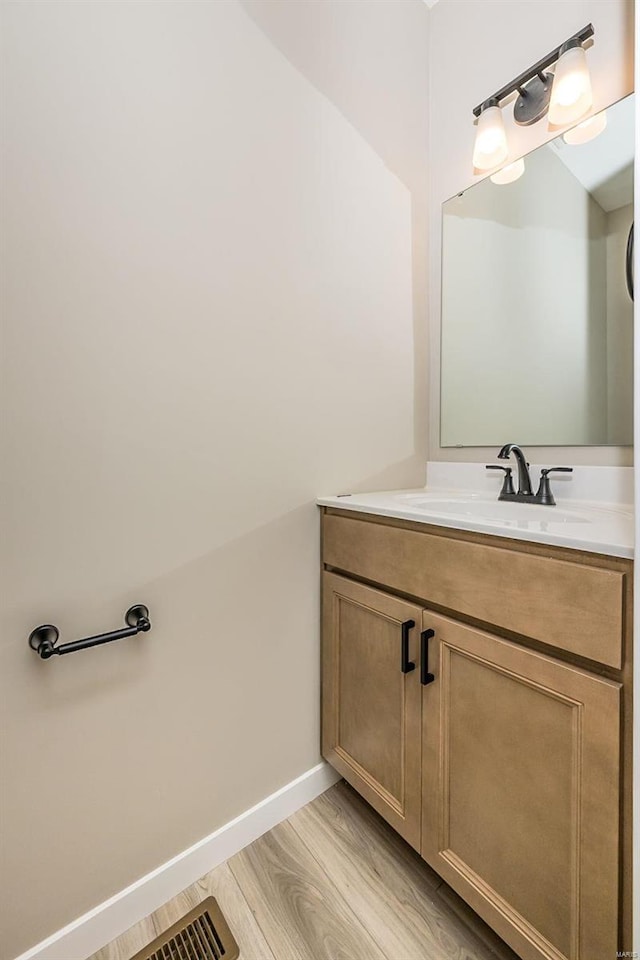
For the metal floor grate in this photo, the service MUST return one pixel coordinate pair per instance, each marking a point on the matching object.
(203, 934)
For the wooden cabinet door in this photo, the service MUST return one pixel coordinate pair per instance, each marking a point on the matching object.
(371, 710)
(521, 791)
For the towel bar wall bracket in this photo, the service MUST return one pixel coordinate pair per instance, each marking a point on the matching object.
(45, 637)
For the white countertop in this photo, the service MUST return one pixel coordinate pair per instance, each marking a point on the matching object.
(578, 524)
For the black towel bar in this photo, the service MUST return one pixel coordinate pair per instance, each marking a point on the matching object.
(44, 638)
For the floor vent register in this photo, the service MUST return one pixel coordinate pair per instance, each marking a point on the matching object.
(203, 934)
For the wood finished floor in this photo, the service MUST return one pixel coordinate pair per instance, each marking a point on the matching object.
(334, 882)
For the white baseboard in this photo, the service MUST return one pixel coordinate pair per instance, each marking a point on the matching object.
(79, 939)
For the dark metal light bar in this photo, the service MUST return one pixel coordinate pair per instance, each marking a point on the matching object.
(536, 70)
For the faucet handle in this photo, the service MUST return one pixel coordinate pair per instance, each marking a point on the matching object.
(507, 486)
(544, 494)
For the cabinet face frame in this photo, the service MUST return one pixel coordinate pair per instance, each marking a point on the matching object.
(402, 807)
(592, 900)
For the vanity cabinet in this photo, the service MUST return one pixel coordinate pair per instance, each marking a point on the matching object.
(502, 755)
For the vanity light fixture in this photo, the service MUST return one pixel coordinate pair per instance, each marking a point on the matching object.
(510, 173)
(586, 130)
(566, 96)
(490, 149)
(571, 96)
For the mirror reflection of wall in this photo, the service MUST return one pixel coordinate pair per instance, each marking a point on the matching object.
(537, 322)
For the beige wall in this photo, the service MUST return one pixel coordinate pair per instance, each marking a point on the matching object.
(467, 65)
(370, 58)
(208, 321)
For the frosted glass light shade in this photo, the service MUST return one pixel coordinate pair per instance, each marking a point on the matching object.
(586, 130)
(510, 173)
(490, 148)
(571, 95)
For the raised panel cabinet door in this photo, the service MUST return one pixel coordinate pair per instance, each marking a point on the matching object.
(521, 791)
(371, 700)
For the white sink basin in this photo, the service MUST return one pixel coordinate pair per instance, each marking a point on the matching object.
(496, 511)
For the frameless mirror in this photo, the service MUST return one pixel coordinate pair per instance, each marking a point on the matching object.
(537, 315)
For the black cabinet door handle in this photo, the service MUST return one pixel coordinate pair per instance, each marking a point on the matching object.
(406, 665)
(425, 676)
(629, 263)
